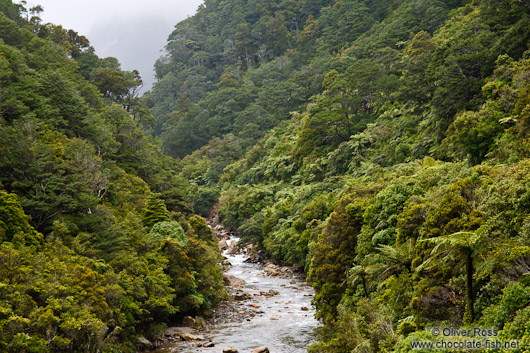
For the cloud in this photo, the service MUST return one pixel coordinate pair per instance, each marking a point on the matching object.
(134, 31)
(137, 42)
(82, 15)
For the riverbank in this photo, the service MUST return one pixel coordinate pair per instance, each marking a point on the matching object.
(269, 306)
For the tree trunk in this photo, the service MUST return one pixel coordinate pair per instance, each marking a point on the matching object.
(470, 299)
(364, 287)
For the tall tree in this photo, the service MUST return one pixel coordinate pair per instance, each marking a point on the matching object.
(465, 248)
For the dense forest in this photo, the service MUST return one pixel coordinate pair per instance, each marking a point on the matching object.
(382, 145)
(97, 242)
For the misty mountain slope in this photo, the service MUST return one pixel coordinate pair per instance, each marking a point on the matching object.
(242, 68)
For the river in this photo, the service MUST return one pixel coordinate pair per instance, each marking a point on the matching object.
(277, 314)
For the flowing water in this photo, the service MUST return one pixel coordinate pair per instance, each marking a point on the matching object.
(283, 322)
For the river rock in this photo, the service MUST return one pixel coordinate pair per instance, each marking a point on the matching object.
(232, 248)
(188, 321)
(261, 350)
(230, 349)
(189, 337)
(233, 281)
(253, 258)
(171, 331)
(272, 270)
(223, 245)
(286, 270)
(178, 331)
(241, 296)
(200, 323)
(270, 293)
(142, 343)
(157, 341)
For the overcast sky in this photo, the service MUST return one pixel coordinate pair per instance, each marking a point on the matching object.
(134, 31)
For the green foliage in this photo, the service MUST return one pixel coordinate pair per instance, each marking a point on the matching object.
(92, 251)
(204, 199)
(110, 82)
(164, 229)
(155, 211)
(349, 186)
(208, 274)
(514, 296)
(202, 230)
(10, 32)
(454, 211)
(242, 204)
(14, 224)
(404, 344)
(334, 254)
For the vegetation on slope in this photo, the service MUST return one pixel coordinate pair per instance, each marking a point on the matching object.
(382, 145)
(241, 67)
(97, 244)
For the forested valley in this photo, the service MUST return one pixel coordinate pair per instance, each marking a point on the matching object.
(381, 145)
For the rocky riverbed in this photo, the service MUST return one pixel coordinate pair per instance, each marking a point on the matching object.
(269, 311)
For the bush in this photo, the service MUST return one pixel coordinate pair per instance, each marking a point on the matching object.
(513, 296)
(171, 229)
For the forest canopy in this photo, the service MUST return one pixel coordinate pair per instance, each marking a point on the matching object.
(98, 244)
(382, 145)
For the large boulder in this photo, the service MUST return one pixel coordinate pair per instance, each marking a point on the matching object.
(232, 248)
(143, 344)
(189, 337)
(261, 350)
(223, 245)
(253, 258)
(233, 281)
(272, 270)
(188, 321)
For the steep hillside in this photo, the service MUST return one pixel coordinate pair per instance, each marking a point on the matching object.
(387, 154)
(97, 244)
(242, 67)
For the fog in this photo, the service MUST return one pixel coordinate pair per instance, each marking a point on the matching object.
(133, 31)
